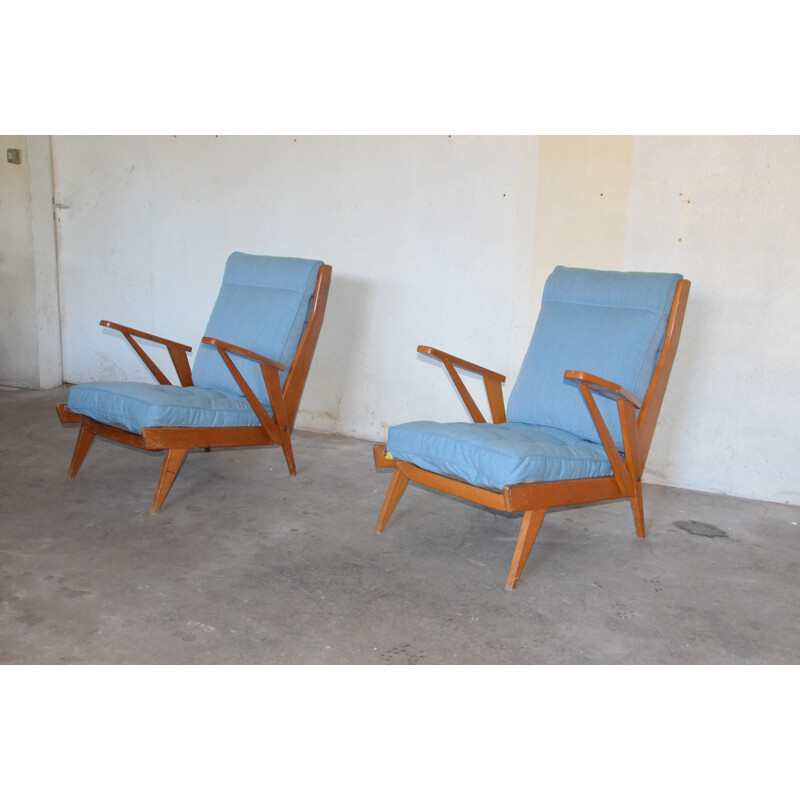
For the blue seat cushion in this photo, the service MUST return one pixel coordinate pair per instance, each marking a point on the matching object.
(263, 306)
(610, 324)
(494, 456)
(134, 406)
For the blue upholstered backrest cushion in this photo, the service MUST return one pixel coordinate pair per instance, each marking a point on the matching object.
(263, 306)
(609, 324)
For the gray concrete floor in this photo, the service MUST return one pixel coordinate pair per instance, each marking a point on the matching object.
(246, 565)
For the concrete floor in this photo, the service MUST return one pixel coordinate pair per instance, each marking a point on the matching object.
(245, 565)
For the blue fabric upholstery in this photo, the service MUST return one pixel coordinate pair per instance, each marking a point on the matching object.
(610, 324)
(263, 306)
(494, 456)
(134, 406)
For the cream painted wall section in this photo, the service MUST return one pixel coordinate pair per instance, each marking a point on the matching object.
(430, 239)
(581, 203)
(724, 212)
(18, 343)
(30, 336)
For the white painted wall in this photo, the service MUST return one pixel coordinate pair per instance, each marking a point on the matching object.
(442, 241)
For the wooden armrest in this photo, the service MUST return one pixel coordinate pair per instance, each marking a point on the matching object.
(142, 335)
(491, 380)
(177, 352)
(232, 348)
(602, 387)
(460, 362)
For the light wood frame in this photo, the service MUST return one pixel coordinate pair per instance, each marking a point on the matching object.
(177, 442)
(535, 498)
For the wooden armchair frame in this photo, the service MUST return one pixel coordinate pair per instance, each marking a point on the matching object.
(535, 498)
(178, 441)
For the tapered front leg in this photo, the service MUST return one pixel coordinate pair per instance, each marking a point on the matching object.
(531, 523)
(393, 494)
(82, 446)
(169, 469)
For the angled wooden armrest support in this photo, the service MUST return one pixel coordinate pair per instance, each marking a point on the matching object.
(491, 380)
(177, 352)
(628, 472)
(277, 428)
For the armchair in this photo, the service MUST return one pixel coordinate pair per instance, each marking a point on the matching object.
(581, 416)
(239, 394)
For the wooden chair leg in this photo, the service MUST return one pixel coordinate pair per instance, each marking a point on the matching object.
(637, 504)
(288, 454)
(169, 469)
(393, 494)
(82, 446)
(531, 523)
